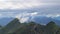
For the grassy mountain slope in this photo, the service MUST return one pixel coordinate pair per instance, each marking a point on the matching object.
(15, 27)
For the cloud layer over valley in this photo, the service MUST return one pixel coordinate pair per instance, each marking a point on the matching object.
(28, 9)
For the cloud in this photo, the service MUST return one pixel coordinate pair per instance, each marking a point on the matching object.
(0, 15)
(22, 20)
(24, 17)
(23, 4)
(49, 11)
(18, 4)
(28, 9)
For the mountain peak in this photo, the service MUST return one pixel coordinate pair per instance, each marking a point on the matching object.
(14, 22)
(51, 23)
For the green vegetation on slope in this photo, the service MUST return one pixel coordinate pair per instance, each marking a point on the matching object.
(15, 27)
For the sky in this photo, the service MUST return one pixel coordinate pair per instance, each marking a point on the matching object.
(24, 9)
(23, 4)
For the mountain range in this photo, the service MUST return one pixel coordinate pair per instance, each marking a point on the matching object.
(16, 27)
(38, 19)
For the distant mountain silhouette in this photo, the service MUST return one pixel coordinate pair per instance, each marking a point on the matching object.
(38, 19)
(44, 20)
(5, 20)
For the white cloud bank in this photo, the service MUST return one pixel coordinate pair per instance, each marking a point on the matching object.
(24, 17)
(23, 4)
(18, 4)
